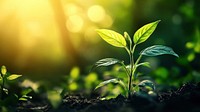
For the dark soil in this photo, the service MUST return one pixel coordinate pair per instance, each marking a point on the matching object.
(185, 99)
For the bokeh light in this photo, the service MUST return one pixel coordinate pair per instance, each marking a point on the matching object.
(44, 38)
(75, 23)
(96, 13)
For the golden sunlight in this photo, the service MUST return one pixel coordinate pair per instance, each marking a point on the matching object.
(96, 13)
(74, 23)
(37, 32)
(45, 33)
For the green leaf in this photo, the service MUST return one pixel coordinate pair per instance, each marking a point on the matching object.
(146, 64)
(110, 81)
(145, 32)
(112, 37)
(23, 99)
(3, 70)
(147, 83)
(158, 50)
(26, 91)
(106, 62)
(13, 76)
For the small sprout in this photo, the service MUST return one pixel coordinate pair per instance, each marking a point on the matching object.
(117, 40)
(4, 78)
(24, 93)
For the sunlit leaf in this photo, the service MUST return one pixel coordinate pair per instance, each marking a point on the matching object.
(145, 32)
(25, 98)
(3, 70)
(112, 37)
(109, 81)
(13, 76)
(158, 50)
(147, 83)
(106, 62)
(26, 91)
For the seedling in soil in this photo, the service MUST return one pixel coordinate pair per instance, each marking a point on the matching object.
(117, 40)
(5, 94)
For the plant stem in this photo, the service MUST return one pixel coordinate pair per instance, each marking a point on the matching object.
(132, 69)
(131, 74)
(129, 86)
(135, 67)
(132, 52)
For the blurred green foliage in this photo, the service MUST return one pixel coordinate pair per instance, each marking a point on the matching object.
(10, 92)
(76, 82)
(23, 50)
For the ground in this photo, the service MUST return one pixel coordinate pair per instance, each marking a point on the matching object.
(184, 99)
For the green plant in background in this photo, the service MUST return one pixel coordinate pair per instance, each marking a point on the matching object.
(7, 97)
(117, 40)
(6, 77)
(194, 45)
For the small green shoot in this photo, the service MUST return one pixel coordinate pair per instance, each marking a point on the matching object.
(117, 40)
(4, 78)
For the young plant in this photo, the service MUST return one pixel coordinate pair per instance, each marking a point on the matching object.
(117, 40)
(5, 77)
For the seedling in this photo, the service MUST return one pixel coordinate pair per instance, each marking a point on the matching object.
(117, 40)
(5, 78)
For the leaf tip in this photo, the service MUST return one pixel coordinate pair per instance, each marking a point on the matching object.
(96, 87)
(158, 20)
(176, 55)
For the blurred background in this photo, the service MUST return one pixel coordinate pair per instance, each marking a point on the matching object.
(48, 39)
